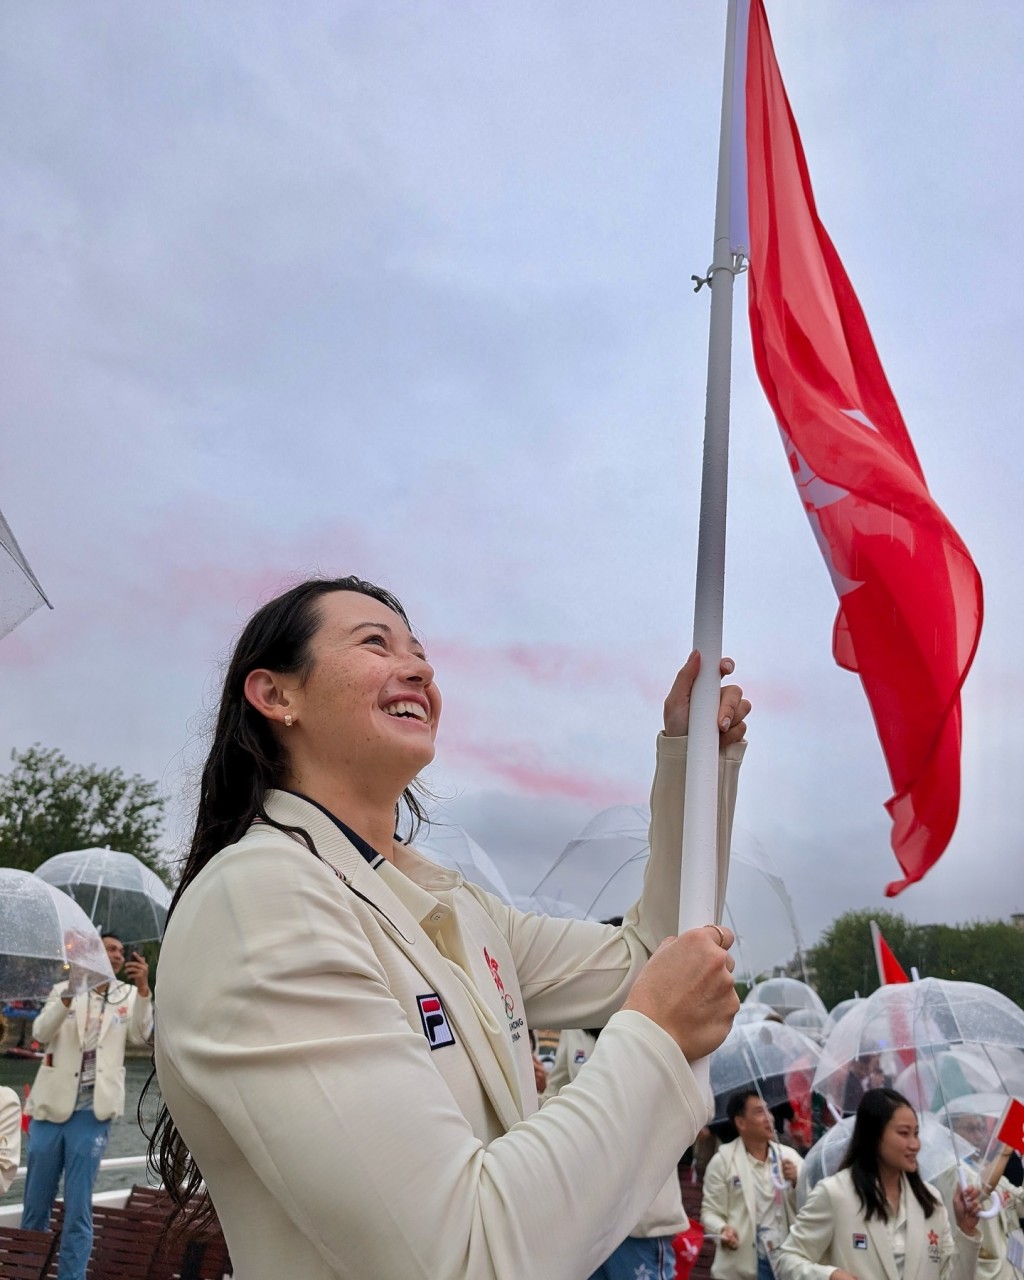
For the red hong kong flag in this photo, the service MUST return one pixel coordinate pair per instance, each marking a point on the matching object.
(910, 601)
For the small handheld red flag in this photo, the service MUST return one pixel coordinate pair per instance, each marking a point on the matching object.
(1011, 1131)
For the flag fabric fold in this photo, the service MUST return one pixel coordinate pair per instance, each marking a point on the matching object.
(910, 596)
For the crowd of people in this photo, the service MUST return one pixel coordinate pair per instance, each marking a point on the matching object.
(343, 1049)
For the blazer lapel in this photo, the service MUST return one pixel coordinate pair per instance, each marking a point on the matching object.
(878, 1234)
(746, 1173)
(408, 934)
(918, 1227)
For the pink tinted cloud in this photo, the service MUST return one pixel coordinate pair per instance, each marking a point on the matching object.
(521, 765)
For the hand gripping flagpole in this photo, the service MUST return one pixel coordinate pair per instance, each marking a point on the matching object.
(700, 895)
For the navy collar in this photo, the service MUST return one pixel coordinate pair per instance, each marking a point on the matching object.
(366, 849)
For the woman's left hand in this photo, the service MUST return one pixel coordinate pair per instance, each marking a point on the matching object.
(966, 1203)
(733, 708)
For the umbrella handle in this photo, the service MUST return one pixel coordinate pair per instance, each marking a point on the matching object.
(995, 1202)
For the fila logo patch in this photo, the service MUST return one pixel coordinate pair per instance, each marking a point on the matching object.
(436, 1026)
(860, 1242)
(579, 1057)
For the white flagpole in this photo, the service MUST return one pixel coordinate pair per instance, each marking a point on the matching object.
(699, 895)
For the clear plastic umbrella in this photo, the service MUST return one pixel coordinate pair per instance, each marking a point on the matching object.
(934, 1083)
(45, 937)
(748, 1013)
(455, 848)
(763, 1054)
(841, 1009)
(812, 1022)
(937, 1153)
(915, 1024)
(786, 996)
(602, 869)
(117, 892)
(20, 592)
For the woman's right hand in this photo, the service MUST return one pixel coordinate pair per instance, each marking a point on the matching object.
(687, 988)
(841, 1275)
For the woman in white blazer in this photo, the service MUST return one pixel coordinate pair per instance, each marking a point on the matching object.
(342, 1037)
(876, 1219)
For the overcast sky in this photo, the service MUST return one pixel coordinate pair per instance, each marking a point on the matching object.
(401, 288)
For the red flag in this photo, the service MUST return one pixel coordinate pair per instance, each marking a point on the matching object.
(1011, 1128)
(910, 602)
(889, 968)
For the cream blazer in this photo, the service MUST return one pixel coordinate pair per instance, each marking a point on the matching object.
(666, 1215)
(728, 1200)
(830, 1231)
(344, 1049)
(10, 1136)
(127, 1017)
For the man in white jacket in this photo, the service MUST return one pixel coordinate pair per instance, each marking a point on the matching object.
(749, 1193)
(78, 1090)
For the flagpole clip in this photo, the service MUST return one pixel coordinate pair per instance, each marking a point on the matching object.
(736, 268)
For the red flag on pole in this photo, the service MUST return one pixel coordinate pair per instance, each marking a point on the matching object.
(910, 600)
(889, 968)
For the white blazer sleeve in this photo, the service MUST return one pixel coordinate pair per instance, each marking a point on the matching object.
(713, 1209)
(576, 973)
(140, 1022)
(289, 1034)
(809, 1240)
(51, 1016)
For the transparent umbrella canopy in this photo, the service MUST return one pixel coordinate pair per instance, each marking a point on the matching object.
(452, 847)
(812, 1022)
(20, 592)
(786, 996)
(763, 1054)
(914, 1025)
(841, 1009)
(932, 1084)
(45, 937)
(117, 892)
(938, 1153)
(748, 1013)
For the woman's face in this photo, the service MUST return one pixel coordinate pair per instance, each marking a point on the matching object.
(900, 1142)
(370, 703)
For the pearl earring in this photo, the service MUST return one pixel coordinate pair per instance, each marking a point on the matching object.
(288, 721)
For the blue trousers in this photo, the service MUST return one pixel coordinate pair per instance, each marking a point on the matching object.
(640, 1259)
(75, 1147)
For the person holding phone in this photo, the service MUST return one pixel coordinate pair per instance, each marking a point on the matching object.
(78, 1090)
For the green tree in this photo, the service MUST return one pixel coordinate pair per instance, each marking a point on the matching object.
(987, 952)
(49, 805)
(843, 959)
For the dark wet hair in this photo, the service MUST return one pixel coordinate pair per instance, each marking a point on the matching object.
(737, 1104)
(877, 1108)
(246, 760)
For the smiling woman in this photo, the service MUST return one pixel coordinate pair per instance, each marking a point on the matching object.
(876, 1219)
(342, 1035)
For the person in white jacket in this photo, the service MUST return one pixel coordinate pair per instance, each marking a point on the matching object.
(876, 1219)
(749, 1198)
(998, 1230)
(10, 1127)
(342, 1040)
(77, 1092)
